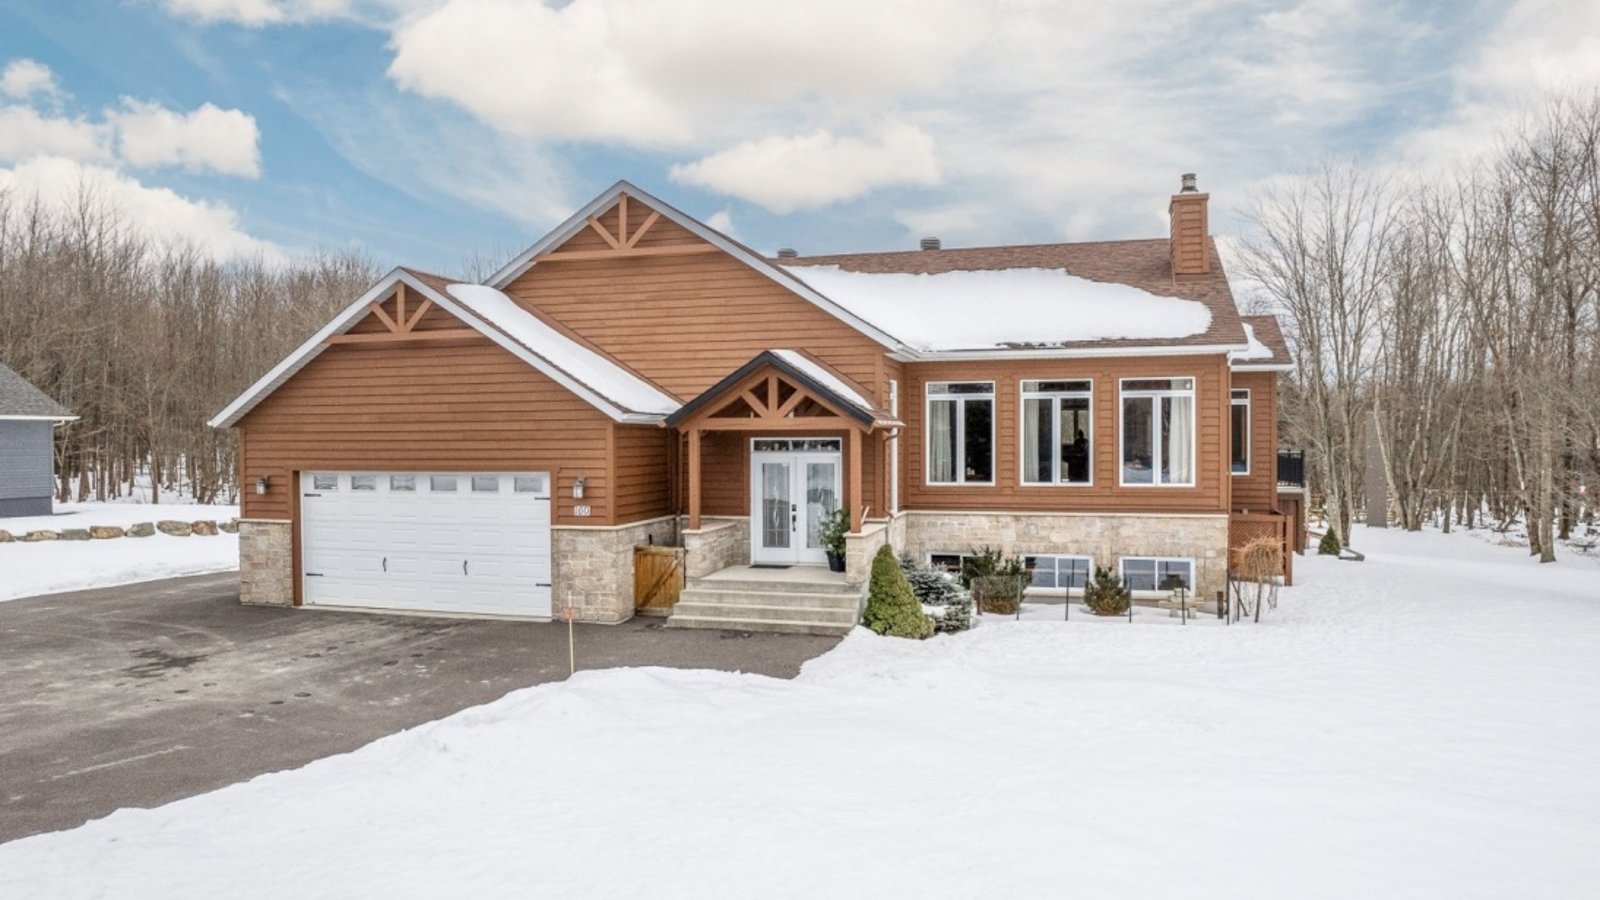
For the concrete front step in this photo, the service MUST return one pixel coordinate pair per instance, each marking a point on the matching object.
(780, 626)
(739, 597)
(775, 611)
(774, 588)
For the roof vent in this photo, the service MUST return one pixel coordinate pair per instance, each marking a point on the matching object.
(787, 253)
(1188, 184)
(930, 243)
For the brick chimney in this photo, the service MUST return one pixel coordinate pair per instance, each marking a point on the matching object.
(1190, 256)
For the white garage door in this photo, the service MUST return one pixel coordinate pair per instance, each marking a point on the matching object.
(432, 541)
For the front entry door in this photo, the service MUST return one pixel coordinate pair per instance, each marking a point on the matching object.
(794, 484)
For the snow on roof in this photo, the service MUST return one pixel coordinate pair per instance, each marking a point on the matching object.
(1257, 349)
(595, 371)
(824, 377)
(1005, 308)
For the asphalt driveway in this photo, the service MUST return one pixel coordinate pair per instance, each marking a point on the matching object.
(144, 694)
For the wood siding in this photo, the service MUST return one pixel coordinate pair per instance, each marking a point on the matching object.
(643, 473)
(1258, 491)
(1211, 490)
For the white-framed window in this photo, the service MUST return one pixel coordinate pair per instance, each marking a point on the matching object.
(948, 562)
(797, 445)
(1239, 431)
(1156, 573)
(324, 482)
(1058, 431)
(402, 484)
(1158, 431)
(1056, 572)
(960, 432)
(486, 484)
(442, 483)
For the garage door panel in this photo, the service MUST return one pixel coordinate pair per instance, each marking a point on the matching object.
(401, 543)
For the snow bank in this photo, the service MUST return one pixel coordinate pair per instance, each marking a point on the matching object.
(1418, 725)
(51, 567)
(986, 309)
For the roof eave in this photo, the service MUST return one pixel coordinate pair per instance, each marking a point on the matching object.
(59, 420)
(1071, 352)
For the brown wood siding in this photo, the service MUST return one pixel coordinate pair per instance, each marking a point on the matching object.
(1211, 490)
(1258, 491)
(642, 472)
(685, 322)
(449, 406)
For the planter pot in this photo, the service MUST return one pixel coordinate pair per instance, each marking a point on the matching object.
(835, 561)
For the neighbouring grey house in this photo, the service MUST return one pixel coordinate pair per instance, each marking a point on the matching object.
(28, 418)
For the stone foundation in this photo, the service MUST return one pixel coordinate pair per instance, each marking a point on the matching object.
(859, 549)
(720, 542)
(592, 568)
(266, 562)
(1104, 537)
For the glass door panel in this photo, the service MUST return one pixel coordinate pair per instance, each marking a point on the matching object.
(776, 510)
(822, 498)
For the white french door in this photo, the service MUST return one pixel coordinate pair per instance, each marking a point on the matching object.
(794, 484)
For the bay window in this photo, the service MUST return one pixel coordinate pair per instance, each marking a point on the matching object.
(1057, 433)
(1239, 432)
(960, 432)
(1158, 431)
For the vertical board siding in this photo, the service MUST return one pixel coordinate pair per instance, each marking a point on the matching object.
(1211, 490)
(450, 407)
(27, 460)
(1258, 491)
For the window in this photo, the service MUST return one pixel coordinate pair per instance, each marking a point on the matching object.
(528, 484)
(1057, 433)
(441, 483)
(363, 482)
(948, 562)
(325, 482)
(1153, 574)
(797, 445)
(1158, 431)
(402, 483)
(961, 432)
(1239, 432)
(1059, 573)
(486, 484)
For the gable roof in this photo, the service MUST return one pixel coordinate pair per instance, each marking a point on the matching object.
(615, 391)
(21, 400)
(1268, 352)
(1017, 316)
(820, 380)
(579, 220)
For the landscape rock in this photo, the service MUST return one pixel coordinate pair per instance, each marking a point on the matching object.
(105, 532)
(5, 536)
(204, 527)
(75, 534)
(231, 526)
(36, 536)
(176, 529)
(141, 529)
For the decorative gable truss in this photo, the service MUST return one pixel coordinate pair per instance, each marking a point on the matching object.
(399, 314)
(621, 240)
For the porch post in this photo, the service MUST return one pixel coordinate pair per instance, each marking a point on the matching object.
(853, 441)
(694, 479)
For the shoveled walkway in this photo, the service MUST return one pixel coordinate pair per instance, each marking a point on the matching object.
(144, 694)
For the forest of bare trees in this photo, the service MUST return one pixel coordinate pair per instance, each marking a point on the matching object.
(146, 342)
(1457, 314)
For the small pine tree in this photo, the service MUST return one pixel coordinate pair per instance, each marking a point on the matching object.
(1106, 595)
(1329, 545)
(957, 614)
(892, 607)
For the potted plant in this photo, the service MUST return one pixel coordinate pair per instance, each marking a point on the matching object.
(835, 525)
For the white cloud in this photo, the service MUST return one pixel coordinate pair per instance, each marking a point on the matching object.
(784, 174)
(664, 72)
(25, 133)
(158, 214)
(223, 140)
(257, 13)
(23, 78)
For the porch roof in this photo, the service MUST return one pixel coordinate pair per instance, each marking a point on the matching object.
(805, 372)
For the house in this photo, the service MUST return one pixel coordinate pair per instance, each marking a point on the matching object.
(28, 418)
(636, 377)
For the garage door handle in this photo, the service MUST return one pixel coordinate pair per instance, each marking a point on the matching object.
(386, 563)
(463, 567)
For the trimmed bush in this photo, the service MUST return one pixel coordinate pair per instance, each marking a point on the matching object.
(892, 607)
(1106, 595)
(1329, 545)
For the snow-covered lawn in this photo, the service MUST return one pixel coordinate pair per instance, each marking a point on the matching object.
(50, 567)
(1423, 724)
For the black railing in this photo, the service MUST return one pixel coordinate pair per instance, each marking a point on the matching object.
(1292, 467)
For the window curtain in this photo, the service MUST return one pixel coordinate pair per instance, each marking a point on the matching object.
(942, 441)
(1180, 440)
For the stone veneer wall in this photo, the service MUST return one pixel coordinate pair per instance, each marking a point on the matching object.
(721, 541)
(266, 562)
(592, 567)
(1105, 537)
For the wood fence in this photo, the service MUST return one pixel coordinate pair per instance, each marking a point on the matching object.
(1246, 527)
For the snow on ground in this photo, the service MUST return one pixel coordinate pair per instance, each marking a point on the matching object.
(50, 567)
(1421, 724)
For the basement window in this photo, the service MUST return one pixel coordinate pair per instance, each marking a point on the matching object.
(1141, 573)
(1059, 573)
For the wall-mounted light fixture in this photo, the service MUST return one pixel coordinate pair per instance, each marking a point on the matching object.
(577, 489)
(262, 483)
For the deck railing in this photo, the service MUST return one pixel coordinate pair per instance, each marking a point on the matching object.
(1292, 467)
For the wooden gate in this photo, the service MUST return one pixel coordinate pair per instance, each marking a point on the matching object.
(657, 579)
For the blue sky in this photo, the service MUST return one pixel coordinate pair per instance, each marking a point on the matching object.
(426, 131)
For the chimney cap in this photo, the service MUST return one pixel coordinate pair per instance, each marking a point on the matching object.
(930, 243)
(1188, 184)
(787, 253)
